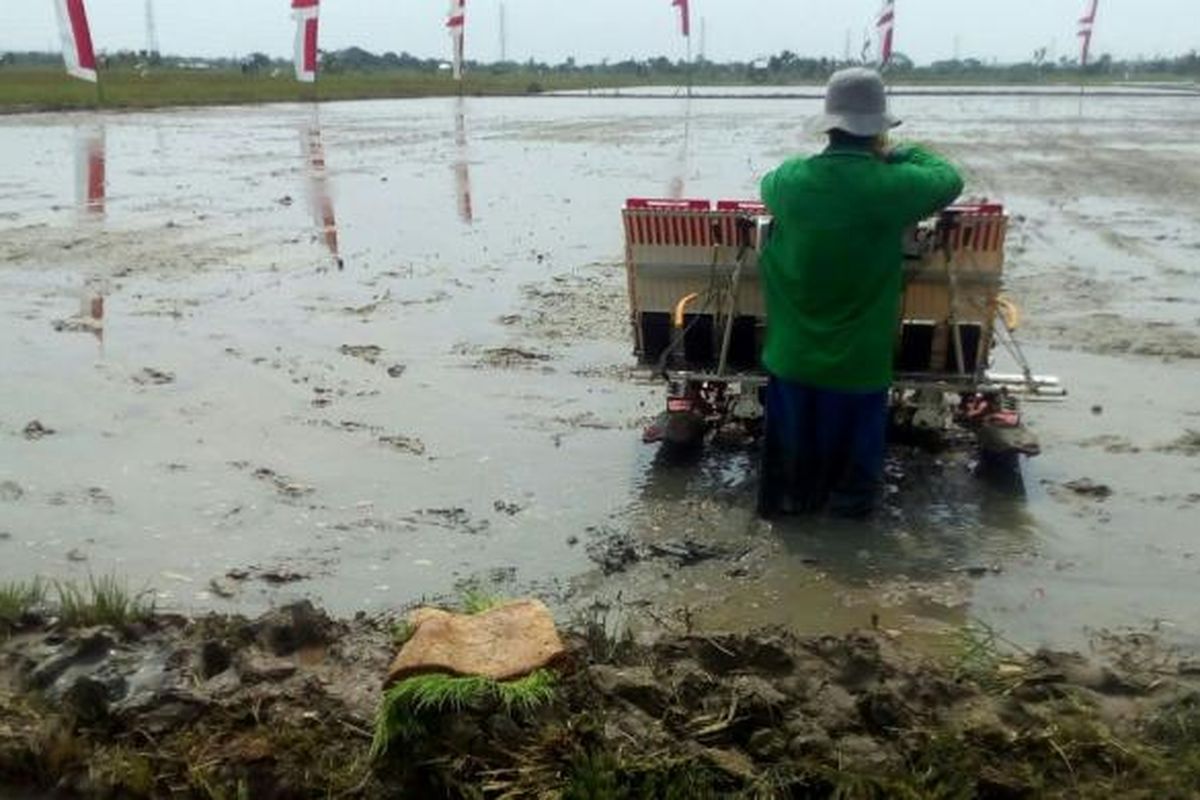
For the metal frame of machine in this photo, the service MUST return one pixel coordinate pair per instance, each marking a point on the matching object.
(698, 318)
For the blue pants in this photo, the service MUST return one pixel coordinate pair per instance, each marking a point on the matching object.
(822, 449)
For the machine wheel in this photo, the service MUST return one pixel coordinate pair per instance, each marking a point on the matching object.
(683, 432)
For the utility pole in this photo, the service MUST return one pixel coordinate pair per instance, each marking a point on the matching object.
(703, 36)
(151, 31)
(846, 55)
(503, 34)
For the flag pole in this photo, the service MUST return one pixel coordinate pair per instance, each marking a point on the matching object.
(316, 92)
(685, 25)
(1086, 25)
(690, 65)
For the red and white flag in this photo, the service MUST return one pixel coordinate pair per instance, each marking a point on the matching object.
(1086, 24)
(457, 23)
(685, 16)
(306, 13)
(887, 28)
(78, 52)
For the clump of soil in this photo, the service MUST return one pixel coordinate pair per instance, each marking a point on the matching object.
(616, 552)
(36, 430)
(511, 357)
(369, 353)
(404, 444)
(283, 707)
(149, 376)
(1188, 444)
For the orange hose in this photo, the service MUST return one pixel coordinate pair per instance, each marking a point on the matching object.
(1010, 312)
(681, 308)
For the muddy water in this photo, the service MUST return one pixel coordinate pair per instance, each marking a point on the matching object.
(238, 421)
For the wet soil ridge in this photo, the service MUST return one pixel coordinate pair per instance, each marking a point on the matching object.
(283, 707)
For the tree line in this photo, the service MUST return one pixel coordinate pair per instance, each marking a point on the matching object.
(783, 67)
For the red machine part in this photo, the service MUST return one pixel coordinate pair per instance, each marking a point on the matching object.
(742, 206)
(668, 205)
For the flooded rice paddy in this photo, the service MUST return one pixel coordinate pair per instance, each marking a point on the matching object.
(378, 352)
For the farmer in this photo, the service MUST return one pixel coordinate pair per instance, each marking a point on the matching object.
(831, 274)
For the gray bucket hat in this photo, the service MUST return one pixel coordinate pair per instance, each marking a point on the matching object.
(855, 102)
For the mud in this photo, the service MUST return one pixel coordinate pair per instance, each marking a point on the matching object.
(240, 399)
(284, 706)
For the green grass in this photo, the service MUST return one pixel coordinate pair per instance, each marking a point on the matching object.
(101, 601)
(477, 601)
(606, 636)
(604, 775)
(400, 631)
(980, 653)
(408, 705)
(29, 89)
(18, 599)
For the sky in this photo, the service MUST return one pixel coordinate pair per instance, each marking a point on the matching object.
(593, 30)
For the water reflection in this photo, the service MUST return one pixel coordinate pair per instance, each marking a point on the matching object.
(320, 197)
(90, 169)
(680, 169)
(92, 308)
(462, 166)
(91, 197)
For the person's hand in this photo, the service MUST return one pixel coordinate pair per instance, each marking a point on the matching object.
(881, 146)
(897, 154)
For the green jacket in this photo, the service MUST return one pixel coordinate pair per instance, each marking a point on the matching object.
(831, 272)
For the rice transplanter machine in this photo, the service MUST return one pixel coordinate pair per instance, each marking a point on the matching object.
(698, 319)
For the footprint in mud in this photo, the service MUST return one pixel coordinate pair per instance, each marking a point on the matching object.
(1086, 487)
(371, 307)
(440, 296)
(371, 354)
(398, 442)
(149, 376)
(404, 444)
(348, 426)
(507, 358)
(1111, 444)
(93, 496)
(323, 396)
(285, 486)
(453, 518)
